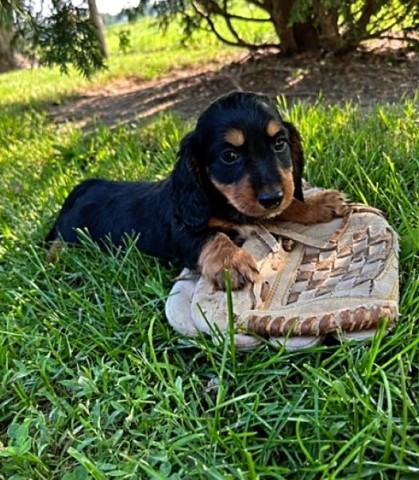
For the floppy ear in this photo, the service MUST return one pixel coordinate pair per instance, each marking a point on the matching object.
(191, 202)
(297, 156)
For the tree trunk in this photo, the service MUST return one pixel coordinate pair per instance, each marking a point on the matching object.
(306, 36)
(98, 23)
(7, 57)
(328, 21)
(280, 10)
(298, 37)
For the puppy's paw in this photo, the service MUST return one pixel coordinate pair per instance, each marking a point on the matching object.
(326, 205)
(242, 269)
(240, 264)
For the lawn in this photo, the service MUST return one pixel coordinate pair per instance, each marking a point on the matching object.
(94, 384)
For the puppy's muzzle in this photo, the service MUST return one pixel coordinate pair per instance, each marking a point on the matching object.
(270, 199)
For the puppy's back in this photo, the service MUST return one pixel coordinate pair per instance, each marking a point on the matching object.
(87, 207)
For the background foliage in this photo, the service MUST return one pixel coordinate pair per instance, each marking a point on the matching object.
(73, 35)
(295, 25)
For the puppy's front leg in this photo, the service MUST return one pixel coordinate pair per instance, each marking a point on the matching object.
(219, 254)
(320, 207)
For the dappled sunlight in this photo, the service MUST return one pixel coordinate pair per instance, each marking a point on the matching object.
(188, 90)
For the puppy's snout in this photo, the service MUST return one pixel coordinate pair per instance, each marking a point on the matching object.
(270, 199)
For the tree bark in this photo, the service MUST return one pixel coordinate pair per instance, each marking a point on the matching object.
(298, 37)
(306, 36)
(98, 23)
(328, 18)
(279, 11)
(8, 59)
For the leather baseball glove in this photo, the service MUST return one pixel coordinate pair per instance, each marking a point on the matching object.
(338, 278)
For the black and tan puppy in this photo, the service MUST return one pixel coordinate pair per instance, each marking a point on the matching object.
(241, 165)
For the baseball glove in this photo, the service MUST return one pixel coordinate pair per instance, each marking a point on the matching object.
(338, 278)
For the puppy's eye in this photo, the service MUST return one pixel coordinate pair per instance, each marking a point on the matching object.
(280, 145)
(229, 156)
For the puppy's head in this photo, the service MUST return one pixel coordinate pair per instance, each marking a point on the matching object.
(248, 154)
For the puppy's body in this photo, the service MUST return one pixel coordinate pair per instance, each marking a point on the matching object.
(114, 209)
(241, 165)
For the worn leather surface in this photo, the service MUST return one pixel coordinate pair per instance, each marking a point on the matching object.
(336, 277)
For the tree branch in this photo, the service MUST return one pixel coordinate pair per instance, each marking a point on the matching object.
(257, 3)
(239, 41)
(216, 9)
(358, 29)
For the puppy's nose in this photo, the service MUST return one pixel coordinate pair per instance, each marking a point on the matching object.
(270, 199)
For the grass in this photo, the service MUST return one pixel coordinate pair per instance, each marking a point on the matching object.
(94, 384)
(150, 55)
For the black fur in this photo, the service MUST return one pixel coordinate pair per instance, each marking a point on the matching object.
(171, 216)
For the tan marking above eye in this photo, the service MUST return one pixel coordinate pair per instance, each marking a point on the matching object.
(273, 128)
(234, 137)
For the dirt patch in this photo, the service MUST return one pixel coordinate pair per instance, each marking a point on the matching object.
(386, 75)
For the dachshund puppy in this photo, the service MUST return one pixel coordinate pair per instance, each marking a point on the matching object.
(240, 166)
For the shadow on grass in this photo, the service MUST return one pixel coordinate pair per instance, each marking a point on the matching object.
(367, 79)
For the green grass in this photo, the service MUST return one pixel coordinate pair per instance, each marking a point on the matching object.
(94, 384)
(150, 55)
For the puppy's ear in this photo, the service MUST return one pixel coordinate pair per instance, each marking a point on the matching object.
(191, 202)
(297, 156)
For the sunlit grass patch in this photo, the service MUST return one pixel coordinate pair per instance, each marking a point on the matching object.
(150, 55)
